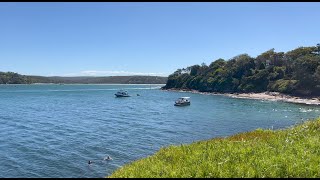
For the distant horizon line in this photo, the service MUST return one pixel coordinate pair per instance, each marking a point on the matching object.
(97, 76)
(153, 75)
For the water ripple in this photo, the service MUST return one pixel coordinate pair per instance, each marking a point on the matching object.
(52, 130)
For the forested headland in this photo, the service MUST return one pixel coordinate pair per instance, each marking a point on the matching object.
(296, 72)
(15, 78)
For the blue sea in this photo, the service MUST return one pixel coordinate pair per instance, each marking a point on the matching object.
(51, 130)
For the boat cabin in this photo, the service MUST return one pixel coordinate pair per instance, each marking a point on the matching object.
(182, 101)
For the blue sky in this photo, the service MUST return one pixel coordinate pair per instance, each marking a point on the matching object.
(103, 39)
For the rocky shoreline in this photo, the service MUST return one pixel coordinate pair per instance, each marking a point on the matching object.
(270, 96)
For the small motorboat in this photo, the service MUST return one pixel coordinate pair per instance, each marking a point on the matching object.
(122, 93)
(183, 101)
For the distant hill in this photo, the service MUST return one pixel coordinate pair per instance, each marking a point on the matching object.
(15, 78)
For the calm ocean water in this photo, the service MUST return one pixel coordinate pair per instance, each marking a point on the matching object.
(54, 130)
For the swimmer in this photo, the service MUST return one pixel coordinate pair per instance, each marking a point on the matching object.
(108, 158)
(90, 162)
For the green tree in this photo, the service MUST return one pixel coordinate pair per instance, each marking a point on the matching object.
(243, 65)
(194, 70)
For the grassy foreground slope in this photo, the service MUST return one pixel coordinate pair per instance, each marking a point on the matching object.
(292, 152)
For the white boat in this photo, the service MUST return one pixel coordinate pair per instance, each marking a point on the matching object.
(122, 93)
(183, 101)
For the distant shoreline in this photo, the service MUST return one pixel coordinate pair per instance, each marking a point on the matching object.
(270, 96)
(80, 84)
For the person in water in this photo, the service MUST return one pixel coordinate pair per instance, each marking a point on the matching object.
(108, 158)
(90, 162)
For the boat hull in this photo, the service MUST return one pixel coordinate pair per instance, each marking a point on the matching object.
(182, 104)
(118, 95)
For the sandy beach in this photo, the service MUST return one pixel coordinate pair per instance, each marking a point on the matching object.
(270, 96)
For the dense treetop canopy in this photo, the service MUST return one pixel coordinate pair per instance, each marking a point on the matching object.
(294, 72)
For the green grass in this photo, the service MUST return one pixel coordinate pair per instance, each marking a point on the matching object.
(292, 152)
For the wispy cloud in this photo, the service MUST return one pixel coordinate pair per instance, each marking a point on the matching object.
(112, 73)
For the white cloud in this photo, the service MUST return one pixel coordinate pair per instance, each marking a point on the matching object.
(112, 73)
